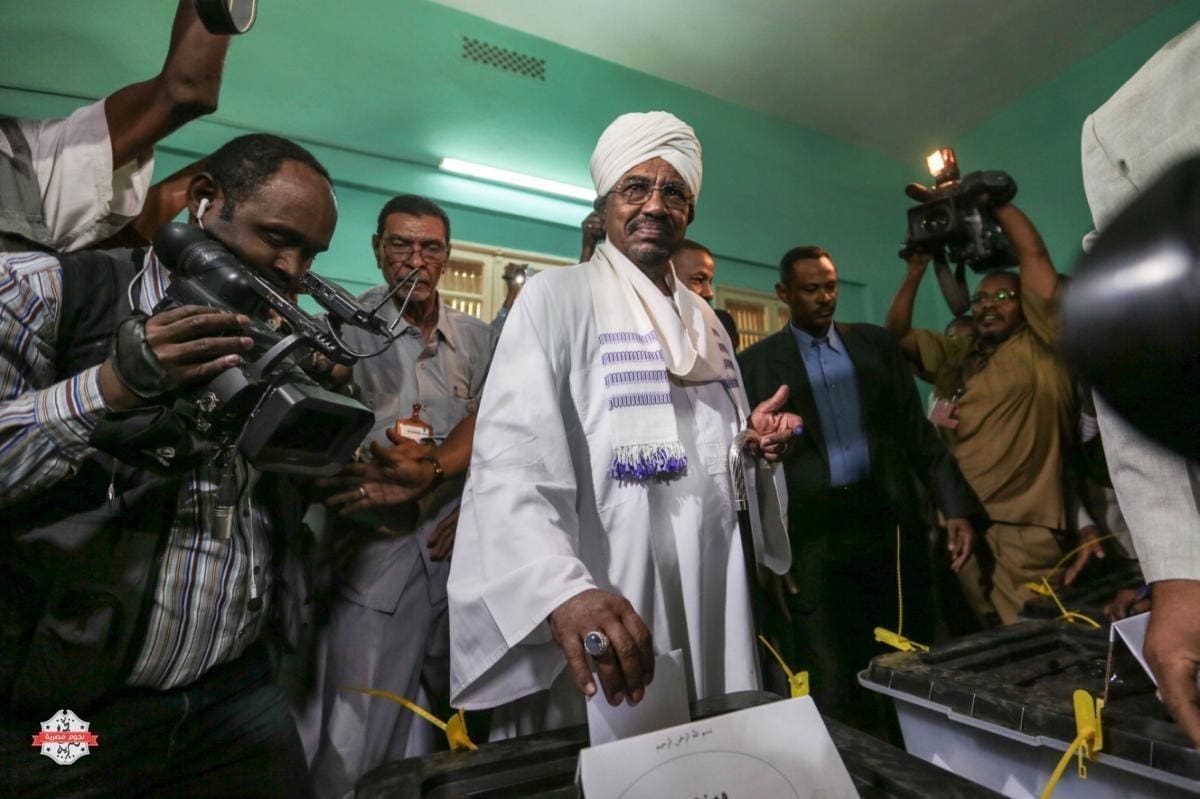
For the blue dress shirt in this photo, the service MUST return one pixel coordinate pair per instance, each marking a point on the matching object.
(835, 390)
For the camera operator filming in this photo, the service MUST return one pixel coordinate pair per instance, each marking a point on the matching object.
(1011, 410)
(137, 586)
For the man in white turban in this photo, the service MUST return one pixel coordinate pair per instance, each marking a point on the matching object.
(599, 513)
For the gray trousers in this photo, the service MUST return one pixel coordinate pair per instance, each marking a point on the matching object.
(405, 651)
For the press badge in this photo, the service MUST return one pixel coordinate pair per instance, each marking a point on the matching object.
(944, 413)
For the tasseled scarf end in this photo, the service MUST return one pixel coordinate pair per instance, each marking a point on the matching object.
(643, 461)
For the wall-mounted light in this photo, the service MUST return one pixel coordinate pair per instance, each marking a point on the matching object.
(516, 179)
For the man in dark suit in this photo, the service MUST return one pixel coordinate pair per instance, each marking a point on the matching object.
(852, 489)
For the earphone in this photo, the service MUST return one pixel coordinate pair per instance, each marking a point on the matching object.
(200, 212)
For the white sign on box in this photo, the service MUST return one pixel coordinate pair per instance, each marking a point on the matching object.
(778, 750)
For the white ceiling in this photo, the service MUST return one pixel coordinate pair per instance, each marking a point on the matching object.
(897, 76)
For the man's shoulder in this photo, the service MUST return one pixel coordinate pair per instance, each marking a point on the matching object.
(866, 331)
(26, 263)
(762, 349)
(25, 272)
(564, 289)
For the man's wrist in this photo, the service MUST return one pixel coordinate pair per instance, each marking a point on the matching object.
(439, 473)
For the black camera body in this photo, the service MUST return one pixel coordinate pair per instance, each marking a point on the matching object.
(954, 219)
(268, 407)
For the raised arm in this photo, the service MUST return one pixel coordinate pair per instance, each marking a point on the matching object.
(899, 315)
(1036, 269)
(187, 87)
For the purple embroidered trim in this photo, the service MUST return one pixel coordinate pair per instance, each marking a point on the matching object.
(622, 356)
(628, 337)
(660, 463)
(637, 376)
(634, 400)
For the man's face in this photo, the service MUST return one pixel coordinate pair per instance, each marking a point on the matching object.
(647, 233)
(279, 229)
(996, 307)
(695, 268)
(811, 295)
(412, 243)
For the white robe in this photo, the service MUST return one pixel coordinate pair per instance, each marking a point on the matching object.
(542, 520)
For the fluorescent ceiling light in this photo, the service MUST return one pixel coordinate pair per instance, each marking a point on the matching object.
(516, 179)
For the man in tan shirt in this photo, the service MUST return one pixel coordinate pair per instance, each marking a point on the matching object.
(1009, 415)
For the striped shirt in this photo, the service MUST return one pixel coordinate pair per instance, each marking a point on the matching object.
(201, 614)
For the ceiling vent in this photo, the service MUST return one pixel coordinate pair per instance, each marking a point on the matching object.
(493, 55)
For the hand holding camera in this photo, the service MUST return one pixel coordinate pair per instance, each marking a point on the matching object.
(172, 349)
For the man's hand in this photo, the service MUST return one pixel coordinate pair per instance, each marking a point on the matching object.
(1172, 649)
(772, 428)
(394, 476)
(441, 540)
(593, 230)
(1091, 549)
(917, 262)
(1127, 602)
(960, 540)
(191, 345)
(628, 666)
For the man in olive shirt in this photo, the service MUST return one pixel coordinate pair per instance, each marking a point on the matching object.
(1014, 403)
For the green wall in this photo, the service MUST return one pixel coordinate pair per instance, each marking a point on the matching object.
(1037, 138)
(380, 91)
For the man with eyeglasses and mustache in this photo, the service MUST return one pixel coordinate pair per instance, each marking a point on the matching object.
(1012, 420)
(392, 515)
(598, 525)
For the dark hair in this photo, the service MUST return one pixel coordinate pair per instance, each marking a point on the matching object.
(804, 252)
(243, 165)
(413, 205)
(688, 244)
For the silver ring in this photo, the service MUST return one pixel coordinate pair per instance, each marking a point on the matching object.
(362, 491)
(595, 643)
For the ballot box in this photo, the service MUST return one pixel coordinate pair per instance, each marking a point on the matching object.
(1092, 592)
(544, 765)
(996, 707)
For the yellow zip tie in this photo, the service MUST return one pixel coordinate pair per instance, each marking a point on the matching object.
(798, 682)
(455, 728)
(1072, 616)
(897, 639)
(1076, 551)
(1089, 738)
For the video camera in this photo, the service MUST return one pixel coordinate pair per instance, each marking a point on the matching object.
(953, 222)
(268, 407)
(953, 217)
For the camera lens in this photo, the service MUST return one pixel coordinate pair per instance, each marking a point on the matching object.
(937, 221)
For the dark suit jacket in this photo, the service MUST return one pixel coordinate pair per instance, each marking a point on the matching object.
(903, 443)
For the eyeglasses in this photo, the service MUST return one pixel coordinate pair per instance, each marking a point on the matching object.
(1000, 296)
(637, 192)
(404, 249)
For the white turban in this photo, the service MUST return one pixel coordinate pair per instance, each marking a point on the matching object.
(635, 138)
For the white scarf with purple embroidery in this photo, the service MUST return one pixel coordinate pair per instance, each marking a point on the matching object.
(641, 341)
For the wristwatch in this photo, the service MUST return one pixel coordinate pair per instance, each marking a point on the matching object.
(438, 472)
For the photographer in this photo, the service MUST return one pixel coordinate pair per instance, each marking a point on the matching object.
(514, 278)
(1011, 417)
(67, 183)
(120, 597)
